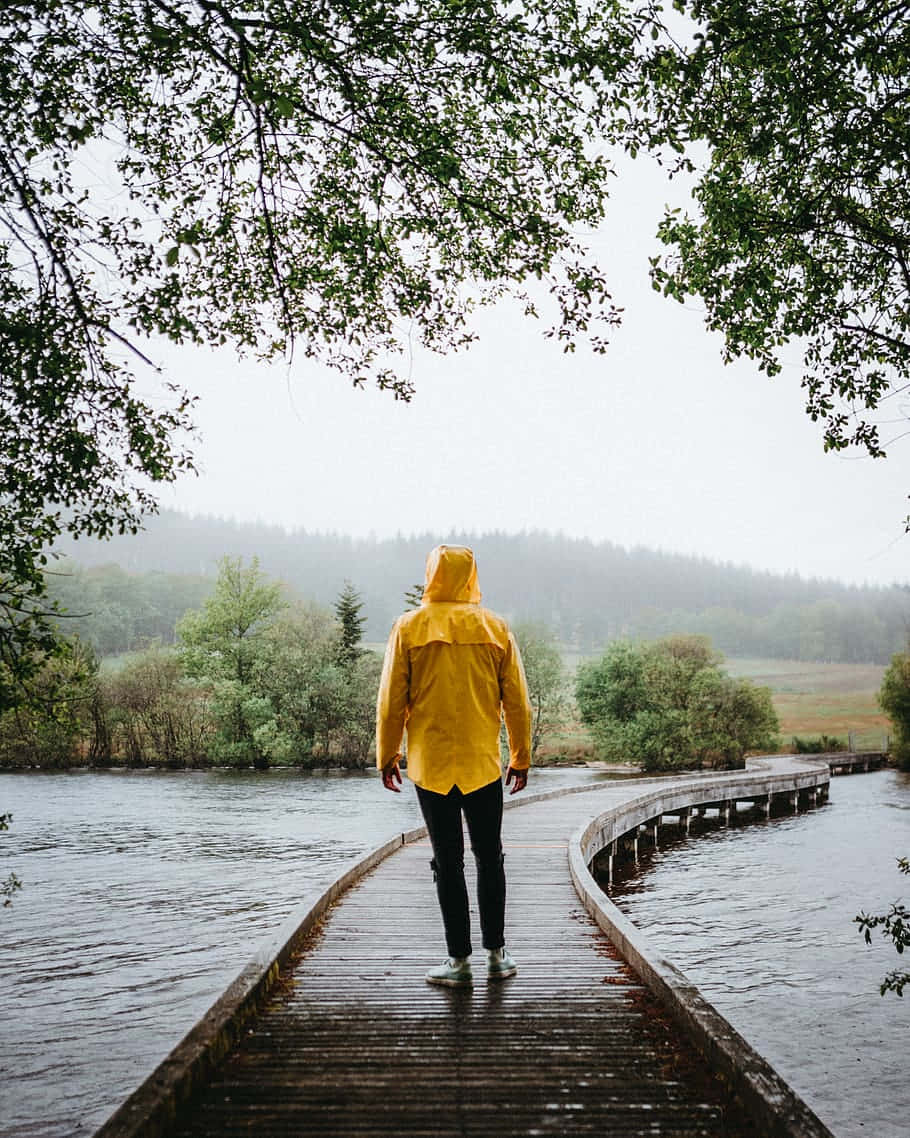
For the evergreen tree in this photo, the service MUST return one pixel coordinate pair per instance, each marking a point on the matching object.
(413, 597)
(347, 609)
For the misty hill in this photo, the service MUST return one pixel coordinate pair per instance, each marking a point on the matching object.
(588, 593)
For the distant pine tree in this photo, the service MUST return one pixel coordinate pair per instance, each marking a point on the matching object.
(413, 597)
(347, 610)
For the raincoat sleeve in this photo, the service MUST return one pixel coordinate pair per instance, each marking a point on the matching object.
(516, 706)
(392, 702)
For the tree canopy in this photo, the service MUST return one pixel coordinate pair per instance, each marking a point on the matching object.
(347, 180)
(801, 231)
(343, 179)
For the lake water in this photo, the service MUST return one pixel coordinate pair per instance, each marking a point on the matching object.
(145, 893)
(760, 917)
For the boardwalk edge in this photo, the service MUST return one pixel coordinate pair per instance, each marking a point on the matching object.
(151, 1111)
(765, 1095)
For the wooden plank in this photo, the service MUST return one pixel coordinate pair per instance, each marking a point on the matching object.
(353, 1041)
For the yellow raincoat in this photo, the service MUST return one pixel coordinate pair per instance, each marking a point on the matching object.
(451, 669)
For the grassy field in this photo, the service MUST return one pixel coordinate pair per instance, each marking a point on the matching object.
(810, 698)
(813, 699)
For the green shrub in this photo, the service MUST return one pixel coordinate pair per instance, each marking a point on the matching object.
(894, 700)
(823, 745)
(668, 704)
(50, 728)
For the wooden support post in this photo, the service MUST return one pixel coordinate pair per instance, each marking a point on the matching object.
(768, 805)
(794, 801)
(687, 817)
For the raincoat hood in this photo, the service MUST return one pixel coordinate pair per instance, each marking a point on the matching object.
(451, 576)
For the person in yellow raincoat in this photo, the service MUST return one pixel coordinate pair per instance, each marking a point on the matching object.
(452, 669)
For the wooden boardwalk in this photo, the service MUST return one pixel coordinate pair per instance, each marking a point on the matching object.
(353, 1042)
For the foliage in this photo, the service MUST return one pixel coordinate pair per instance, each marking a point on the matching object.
(28, 640)
(345, 178)
(50, 728)
(151, 713)
(800, 234)
(10, 884)
(894, 699)
(668, 704)
(413, 597)
(117, 611)
(222, 644)
(287, 681)
(221, 640)
(823, 745)
(348, 612)
(537, 577)
(298, 671)
(255, 680)
(895, 924)
(546, 680)
(357, 729)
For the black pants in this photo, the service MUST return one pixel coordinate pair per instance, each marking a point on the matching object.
(483, 812)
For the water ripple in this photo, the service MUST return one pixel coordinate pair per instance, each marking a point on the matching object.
(760, 917)
(144, 894)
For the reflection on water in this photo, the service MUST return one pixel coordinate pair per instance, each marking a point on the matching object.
(143, 895)
(760, 918)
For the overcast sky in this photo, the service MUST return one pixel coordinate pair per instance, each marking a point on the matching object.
(657, 443)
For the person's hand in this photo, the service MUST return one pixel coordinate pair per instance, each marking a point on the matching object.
(519, 777)
(390, 775)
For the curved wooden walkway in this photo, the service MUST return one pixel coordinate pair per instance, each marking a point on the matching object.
(352, 1041)
(356, 1043)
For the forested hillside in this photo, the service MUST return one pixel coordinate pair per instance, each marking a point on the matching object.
(588, 593)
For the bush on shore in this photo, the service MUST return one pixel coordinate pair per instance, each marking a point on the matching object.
(823, 745)
(894, 699)
(668, 705)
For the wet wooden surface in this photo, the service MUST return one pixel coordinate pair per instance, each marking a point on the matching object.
(354, 1042)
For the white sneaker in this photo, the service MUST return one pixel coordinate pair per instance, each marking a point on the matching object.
(500, 964)
(452, 974)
